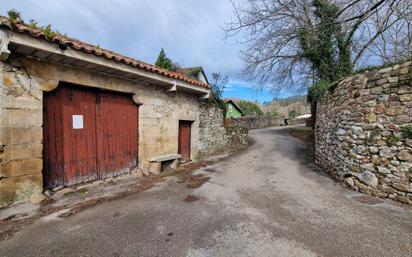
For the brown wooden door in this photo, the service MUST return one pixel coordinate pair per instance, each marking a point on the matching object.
(184, 140)
(117, 134)
(88, 135)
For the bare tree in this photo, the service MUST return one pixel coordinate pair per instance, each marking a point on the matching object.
(394, 43)
(272, 48)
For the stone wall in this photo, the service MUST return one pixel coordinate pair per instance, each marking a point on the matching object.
(214, 136)
(255, 122)
(20, 136)
(359, 132)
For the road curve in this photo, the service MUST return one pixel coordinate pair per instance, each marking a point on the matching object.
(268, 200)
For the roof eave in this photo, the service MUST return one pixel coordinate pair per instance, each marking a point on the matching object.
(10, 37)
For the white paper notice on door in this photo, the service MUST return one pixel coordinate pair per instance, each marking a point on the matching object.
(77, 121)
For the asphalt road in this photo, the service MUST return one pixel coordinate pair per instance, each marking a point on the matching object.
(269, 200)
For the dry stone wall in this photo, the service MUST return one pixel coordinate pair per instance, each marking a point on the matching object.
(214, 136)
(361, 132)
(255, 122)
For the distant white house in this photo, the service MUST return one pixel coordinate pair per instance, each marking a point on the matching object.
(304, 116)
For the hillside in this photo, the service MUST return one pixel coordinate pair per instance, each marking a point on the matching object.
(283, 107)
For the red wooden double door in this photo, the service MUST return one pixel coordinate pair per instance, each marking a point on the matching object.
(88, 135)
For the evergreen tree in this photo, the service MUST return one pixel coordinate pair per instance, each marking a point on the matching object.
(163, 61)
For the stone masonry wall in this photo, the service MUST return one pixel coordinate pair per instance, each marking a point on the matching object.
(255, 122)
(20, 136)
(214, 136)
(360, 135)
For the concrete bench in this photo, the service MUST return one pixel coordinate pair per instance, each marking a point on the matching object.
(156, 162)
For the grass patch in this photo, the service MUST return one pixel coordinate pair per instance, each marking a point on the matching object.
(305, 134)
(393, 140)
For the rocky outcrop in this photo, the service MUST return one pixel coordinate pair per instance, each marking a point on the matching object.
(298, 104)
(360, 135)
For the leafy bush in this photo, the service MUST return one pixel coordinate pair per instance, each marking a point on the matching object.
(33, 24)
(314, 93)
(48, 32)
(393, 140)
(15, 16)
(249, 108)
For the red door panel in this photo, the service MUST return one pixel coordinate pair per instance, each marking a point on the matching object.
(79, 143)
(184, 139)
(53, 170)
(117, 134)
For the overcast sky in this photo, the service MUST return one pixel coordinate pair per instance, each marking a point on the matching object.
(190, 31)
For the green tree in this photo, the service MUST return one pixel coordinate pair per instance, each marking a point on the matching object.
(163, 61)
(249, 108)
(293, 114)
(327, 46)
(218, 85)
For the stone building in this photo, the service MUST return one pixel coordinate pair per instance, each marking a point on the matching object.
(71, 112)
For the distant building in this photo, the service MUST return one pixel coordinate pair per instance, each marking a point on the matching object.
(196, 73)
(232, 109)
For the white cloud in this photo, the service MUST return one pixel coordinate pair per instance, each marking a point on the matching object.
(189, 30)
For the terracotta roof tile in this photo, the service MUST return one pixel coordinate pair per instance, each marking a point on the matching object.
(91, 49)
